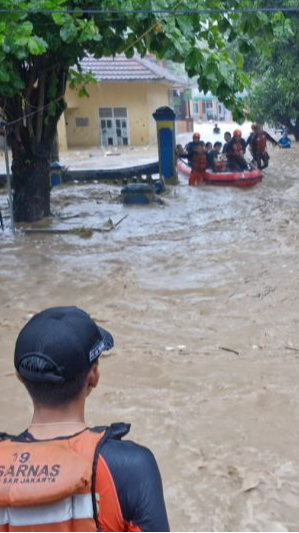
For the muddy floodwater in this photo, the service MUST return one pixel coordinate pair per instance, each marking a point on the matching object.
(202, 297)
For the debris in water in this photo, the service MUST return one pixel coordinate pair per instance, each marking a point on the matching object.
(182, 348)
(84, 233)
(109, 225)
(229, 350)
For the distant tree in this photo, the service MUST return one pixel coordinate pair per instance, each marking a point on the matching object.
(274, 96)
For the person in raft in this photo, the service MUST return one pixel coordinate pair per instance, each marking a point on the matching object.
(199, 164)
(180, 152)
(217, 161)
(259, 146)
(59, 474)
(235, 151)
(227, 138)
(209, 147)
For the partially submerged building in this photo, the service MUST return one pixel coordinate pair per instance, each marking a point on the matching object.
(118, 111)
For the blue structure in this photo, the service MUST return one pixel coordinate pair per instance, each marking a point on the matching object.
(165, 119)
(55, 174)
(285, 141)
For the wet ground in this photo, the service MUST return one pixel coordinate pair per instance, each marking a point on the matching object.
(202, 297)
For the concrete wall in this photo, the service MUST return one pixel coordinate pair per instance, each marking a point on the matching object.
(140, 99)
(157, 96)
(181, 126)
(61, 131)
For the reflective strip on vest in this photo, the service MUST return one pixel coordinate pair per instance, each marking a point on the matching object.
(73, 508)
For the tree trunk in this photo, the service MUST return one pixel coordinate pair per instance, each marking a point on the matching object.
(33, 118)
(30, 181)
(55, 149)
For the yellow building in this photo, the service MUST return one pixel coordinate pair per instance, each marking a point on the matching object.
(119, 108)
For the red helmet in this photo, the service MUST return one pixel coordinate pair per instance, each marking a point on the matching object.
(196, 135)
(237, 133)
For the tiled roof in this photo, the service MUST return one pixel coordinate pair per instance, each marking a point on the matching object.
(121, 68)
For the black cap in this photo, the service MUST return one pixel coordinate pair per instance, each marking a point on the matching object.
(65, 337)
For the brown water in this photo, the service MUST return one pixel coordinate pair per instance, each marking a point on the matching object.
(212, 269)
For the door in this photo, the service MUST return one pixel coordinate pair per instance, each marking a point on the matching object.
(121, 126)
(106, 125)
(114, 126)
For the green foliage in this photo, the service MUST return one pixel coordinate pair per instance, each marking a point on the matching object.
(274, 96)
(31, 36)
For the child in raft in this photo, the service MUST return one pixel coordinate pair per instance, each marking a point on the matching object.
(209, 147)
(217, 162)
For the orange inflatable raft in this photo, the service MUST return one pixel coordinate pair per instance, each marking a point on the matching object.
(246, 178)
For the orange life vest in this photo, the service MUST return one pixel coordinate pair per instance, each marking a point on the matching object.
(261, 143)
(199, 162)
(48, 485)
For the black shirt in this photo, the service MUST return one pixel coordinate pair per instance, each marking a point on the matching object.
(191, 146)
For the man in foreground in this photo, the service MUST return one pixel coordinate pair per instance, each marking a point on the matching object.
(59, 475)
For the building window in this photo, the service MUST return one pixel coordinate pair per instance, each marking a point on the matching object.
(106, 112)
(82, 122)
(114, 126)
(120, 112)
(221, 111)
(207, 108)
(208, 105)
(195, 108)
